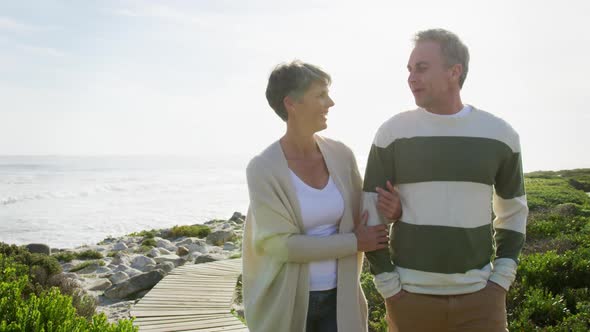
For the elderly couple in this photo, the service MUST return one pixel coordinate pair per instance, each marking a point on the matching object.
(422, 215)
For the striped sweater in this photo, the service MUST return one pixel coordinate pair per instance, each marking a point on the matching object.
(451, 173)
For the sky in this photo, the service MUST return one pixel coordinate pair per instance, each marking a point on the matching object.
(188, 77)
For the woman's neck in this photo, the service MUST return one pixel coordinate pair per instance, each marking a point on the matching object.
(297, 145)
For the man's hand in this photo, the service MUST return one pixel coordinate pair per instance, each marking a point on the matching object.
(369, 238)
(389, 204)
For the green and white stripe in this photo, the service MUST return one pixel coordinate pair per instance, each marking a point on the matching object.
(448, 171)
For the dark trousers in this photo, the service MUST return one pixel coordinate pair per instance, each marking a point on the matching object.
(321, 313)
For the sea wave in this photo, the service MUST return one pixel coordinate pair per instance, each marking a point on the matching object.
(97, 189)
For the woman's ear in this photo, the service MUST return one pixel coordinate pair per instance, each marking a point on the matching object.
(289, 104)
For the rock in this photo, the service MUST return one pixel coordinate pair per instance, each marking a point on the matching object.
(237, 217)
(153, 253)
(39, 248)
(163, 243)
(177, 261)
(164, 251)
(197, 247)
(148, 267)
(100, 285)
(230, 246)
(67, 266)
(102, 270)
(192, 256)
(71, 275)
(218, 238)
(190, 240)
(208, 258)
(144, 281)
(131, 272)
(214, 250)
(118, 277)
(89, 269)
(140, 261)
(121, 258)
(181, 251)
(226, 226)
(120, 246)
(566, 210)
(166, 266)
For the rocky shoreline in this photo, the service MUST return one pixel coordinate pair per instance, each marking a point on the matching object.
(129, 268)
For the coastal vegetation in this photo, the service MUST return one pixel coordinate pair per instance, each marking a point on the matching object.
(34, 296)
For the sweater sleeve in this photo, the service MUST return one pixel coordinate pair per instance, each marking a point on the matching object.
(276, 235)
(380, 168)
(510, 208)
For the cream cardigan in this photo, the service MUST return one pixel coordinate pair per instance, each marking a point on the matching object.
(276, 252)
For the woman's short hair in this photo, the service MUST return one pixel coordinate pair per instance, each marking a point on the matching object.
(292, 79)
(452, 48)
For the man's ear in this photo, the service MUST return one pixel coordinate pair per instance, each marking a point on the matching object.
(456, 71)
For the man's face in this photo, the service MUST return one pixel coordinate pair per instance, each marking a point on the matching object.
(429, 77)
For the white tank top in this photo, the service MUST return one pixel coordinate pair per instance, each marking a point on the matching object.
(321, 211)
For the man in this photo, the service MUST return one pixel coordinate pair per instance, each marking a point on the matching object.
(449, 266)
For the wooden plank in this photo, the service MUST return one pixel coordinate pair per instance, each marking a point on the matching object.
(192, 298)
(143, 313)
(142, 320)
(210, 323)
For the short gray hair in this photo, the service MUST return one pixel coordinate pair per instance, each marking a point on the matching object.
(452, 48)
(292, 79)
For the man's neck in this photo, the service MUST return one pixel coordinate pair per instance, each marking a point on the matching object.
(452, 106)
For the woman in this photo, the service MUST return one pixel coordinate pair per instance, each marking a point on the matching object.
(302, 249)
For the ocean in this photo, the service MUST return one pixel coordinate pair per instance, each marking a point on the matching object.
(70, 201)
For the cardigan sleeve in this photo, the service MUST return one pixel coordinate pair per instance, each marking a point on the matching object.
(276, 234)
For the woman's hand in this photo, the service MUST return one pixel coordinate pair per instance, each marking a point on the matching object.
(369, 238)
(388, 203)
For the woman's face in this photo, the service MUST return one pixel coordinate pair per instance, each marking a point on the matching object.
(311, 110)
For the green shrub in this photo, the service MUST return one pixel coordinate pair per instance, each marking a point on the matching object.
(65, 256)
(147, 234)
(50, 311)
(199, 231)
(143, 249)
(543, 194)
(89, 254)
(377, 318)
(540, 309)
(550, 226)
(149, 242)
(556, 272)
(84, 303)
(38, 267)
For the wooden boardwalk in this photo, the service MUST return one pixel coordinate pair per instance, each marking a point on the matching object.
(192, 298)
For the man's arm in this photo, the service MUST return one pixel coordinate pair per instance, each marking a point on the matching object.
(511, 210)
(380, 169)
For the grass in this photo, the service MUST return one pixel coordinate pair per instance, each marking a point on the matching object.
(200, 231)
(85, 264)
(68, 256)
